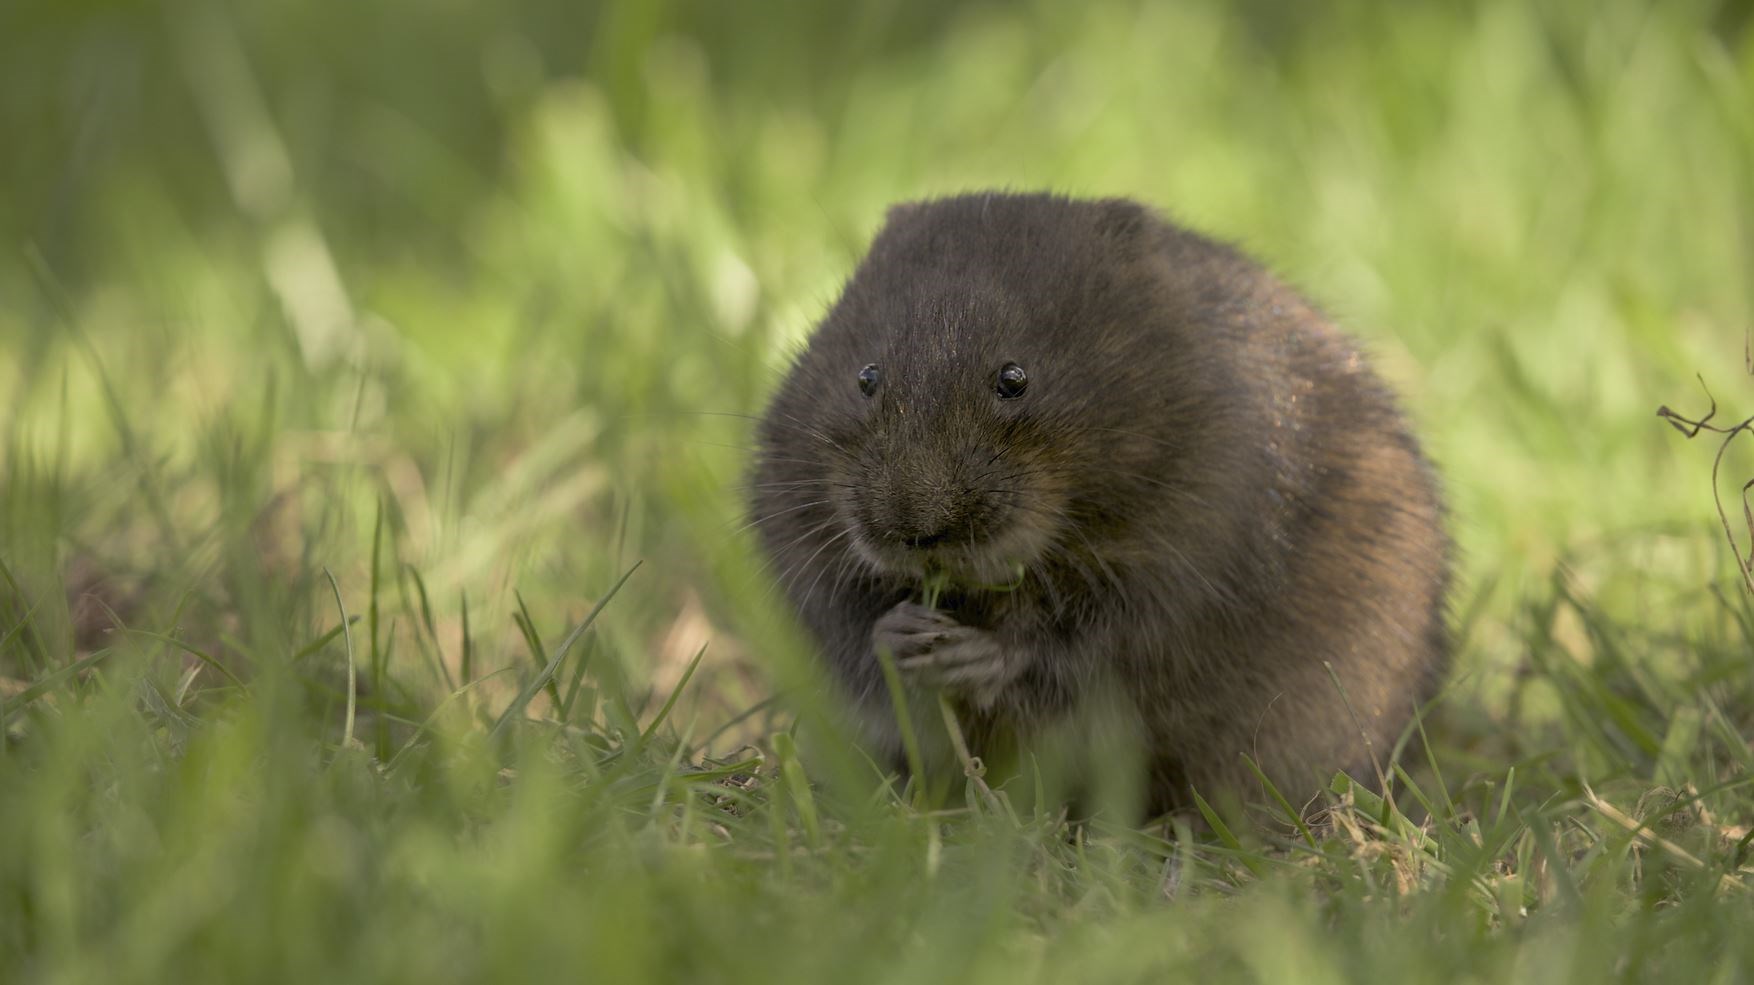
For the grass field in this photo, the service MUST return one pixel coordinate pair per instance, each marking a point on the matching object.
(375, 387)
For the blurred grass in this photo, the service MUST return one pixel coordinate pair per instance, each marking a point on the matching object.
(467, 305)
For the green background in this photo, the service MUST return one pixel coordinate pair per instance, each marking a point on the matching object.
(467, 306)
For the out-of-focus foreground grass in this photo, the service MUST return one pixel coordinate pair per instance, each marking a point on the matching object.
(430, 320)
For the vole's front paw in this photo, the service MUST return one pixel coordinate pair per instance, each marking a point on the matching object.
(933, 650)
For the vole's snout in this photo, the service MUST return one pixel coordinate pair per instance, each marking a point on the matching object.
(911, 508)
(918, 539)
(928, 504)
(927, 540)
(916, 521)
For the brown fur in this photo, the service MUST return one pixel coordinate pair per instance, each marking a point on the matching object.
(1210, 498)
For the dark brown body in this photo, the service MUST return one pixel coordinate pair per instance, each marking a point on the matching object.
(1200, 501)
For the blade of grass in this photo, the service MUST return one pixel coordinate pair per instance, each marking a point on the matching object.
(352, 669)
(192, 651)
(675, 693)
(1557, 867)
(133, 449)
(30, 638)
(379, 657)
(1284, 804)
(382, 694)
(318, 643)
(42, 686)
(1369, 747)
(1226, 837)
(430, 625)
(910, 742)
(468, 665)
(1449, 805)
(536, 683)
(580, 665)
(738, 719)
(426, 723)
(798, 787)
(667, 774)
(526, 624)
(18, 628)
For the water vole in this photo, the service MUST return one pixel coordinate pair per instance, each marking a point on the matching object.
(1165, 492)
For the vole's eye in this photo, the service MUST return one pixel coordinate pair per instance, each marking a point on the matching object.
(1012, 380)
(869, 377)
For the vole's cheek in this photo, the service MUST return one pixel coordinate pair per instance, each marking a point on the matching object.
(1034, 520)
(850, 506)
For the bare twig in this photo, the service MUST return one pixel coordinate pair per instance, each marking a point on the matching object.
(1642, 833)
(1690, 428)
(972, 767)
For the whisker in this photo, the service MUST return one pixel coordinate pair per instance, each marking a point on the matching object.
(778, 513)
(825, 545)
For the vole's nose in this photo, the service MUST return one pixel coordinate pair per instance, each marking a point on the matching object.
(922, 540)
(915, 522)
(916, 532)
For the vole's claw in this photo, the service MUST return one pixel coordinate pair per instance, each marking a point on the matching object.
(933, 650)
(910, 629)
(913, 615)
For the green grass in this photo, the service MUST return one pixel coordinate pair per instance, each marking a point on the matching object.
(375, 385)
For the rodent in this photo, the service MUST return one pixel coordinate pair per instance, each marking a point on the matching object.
(1167, 496)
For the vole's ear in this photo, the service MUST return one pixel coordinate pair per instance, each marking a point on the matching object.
(901, 212)
(1122, 220)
